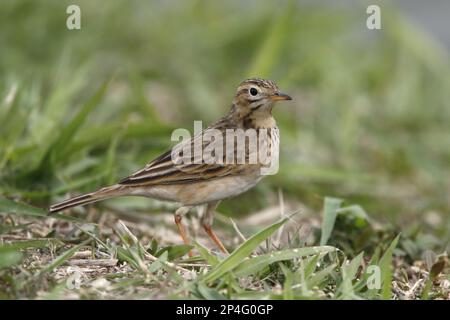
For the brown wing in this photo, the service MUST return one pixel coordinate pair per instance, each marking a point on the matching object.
(163, 170)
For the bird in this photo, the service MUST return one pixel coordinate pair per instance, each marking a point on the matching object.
(204, 184)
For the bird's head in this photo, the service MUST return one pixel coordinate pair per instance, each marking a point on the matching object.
(257, 94)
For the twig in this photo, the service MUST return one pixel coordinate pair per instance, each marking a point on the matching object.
(82, 254)
(237, 230)
(92, 262)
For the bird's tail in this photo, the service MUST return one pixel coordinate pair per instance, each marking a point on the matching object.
(87, 198)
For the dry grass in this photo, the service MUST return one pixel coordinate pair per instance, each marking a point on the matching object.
(97, 270)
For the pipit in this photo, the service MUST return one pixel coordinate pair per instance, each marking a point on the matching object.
(197, 183)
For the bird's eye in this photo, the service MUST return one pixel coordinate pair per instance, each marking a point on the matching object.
(253, 91)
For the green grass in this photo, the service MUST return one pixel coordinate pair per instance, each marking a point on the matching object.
(121, 263)
(365, 153)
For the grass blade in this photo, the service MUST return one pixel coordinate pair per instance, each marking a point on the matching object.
(208, 257)
(253, 265)
(9, 257)
(320, 276)
(330, 211)
(348, 274)
(57, 148)
(19, 208)
(241, 252)
(386, 269)
(39, 243)
(209, 294)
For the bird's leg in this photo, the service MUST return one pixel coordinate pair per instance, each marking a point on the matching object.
(178, 217)
(207, 221)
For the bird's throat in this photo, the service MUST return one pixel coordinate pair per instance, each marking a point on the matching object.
(258, 119)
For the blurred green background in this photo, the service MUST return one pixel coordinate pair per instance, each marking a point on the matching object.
(370, 121)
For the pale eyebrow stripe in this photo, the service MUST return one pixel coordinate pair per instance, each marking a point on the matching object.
(242, 91)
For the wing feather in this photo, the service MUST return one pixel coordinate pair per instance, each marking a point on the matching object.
(164, 171)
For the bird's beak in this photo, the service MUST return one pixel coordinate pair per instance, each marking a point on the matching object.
(278, 96)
